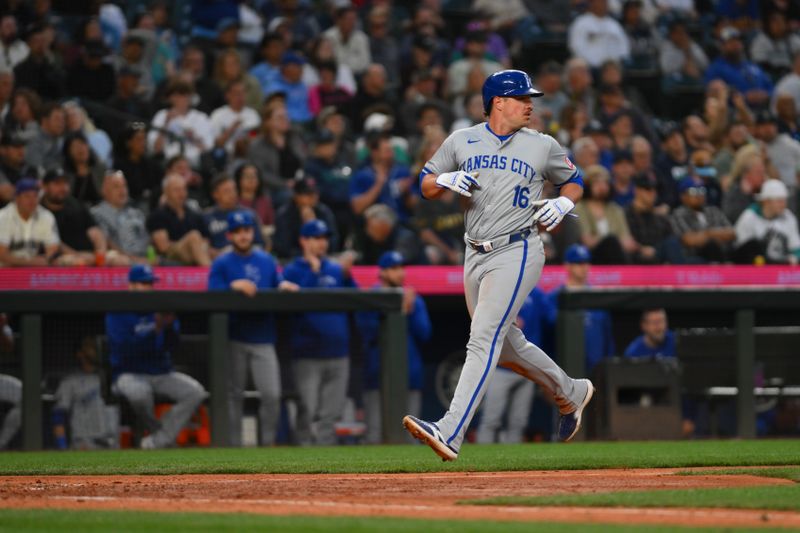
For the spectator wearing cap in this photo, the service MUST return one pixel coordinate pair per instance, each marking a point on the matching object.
(278, 152)
(178, 233)
(82, 241)
(128, 99)
(91, 77)
(247, 269)
(327, 92)
(598, 335)
(748, 176)
(320, 341)
(350, 44)
(28, 231)
(228, 69)
(651, 230)
(39, 71)
(232, 123)
(595, 132)
(250, 187)
(332, 170)
(382, 233)
(123, 225)
(704, 230)
(782, 150)
(270, 51)
(13, 50)
(775, 45)
(768, 229)
(733, 68)
(672, 164)
(291, 84)
(180, 129)
(701, 166)
(304, 207)
(383, 181)
(602, 223)
(682, 60)
(136, 55)
(216, 217)
(12, 164)
(140, 352)
(622, 171)
(44, 151)
(392, 275)
(595, 36)
(475, 47)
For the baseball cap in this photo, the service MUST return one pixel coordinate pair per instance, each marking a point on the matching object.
(53, 175)
(324, 136)
(96, 48)
(306, 185)
(25, 185)
(644, 181)
(729, 32)
(240, 219)
(691, 185)
(314, 228)
(773, 190)
(390, 259)
(292, 58)
(622, 155)
(129, 70)
(141, 274)
(594, 126)
(577, 253)
(227, 22)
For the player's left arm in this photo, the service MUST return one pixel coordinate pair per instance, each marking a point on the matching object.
(562, 172)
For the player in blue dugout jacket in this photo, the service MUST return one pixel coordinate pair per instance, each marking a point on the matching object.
(320, 341)
(597, 324)
(141, 346)
(392, 275)
(246, 269)
(656, 338)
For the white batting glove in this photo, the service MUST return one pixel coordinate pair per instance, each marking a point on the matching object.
(551, 212)
(458, 181)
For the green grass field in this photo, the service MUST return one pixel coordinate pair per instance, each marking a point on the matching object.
(393, 459)
(413, 459)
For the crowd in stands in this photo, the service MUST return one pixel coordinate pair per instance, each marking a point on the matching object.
(127, 140)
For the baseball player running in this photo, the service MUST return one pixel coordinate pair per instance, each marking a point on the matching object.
(501, 165)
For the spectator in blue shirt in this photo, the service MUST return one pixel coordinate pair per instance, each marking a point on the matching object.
(597, 323)
(247, 270)
(268, 70)
(141, 346)
(290, 83)
(383, 182)
(320, 341)
(656, 338)
(733, 68)
(392, 275)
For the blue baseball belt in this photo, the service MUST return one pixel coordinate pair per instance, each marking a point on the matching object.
(484, 247)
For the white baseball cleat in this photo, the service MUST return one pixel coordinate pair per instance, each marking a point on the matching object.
(428, 433)
(570, 423)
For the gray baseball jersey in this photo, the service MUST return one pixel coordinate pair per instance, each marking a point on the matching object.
(80, 395)
(511, 170)
(512, 173)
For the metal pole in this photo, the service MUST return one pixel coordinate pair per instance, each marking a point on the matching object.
(745, 381)
(218, 377)
(31, 330)
(394, 376)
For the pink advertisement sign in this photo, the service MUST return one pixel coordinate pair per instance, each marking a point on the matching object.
(427, 280)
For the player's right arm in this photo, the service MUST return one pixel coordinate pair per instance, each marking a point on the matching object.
(441, 173)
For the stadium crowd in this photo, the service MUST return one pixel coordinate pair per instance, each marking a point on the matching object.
(128, 137)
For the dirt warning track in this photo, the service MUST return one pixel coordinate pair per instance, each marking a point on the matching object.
(400, 495)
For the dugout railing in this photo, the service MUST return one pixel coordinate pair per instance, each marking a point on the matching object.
(31, 306)
(741, 310)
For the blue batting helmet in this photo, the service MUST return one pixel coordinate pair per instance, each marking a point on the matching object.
(507, 83)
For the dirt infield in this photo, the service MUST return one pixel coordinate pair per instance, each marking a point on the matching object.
(402, 495)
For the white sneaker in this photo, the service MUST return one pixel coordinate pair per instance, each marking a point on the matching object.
(148, 443)
(428, 433)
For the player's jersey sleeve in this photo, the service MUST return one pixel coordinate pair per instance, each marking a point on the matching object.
(559, 168)
(444, 160)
